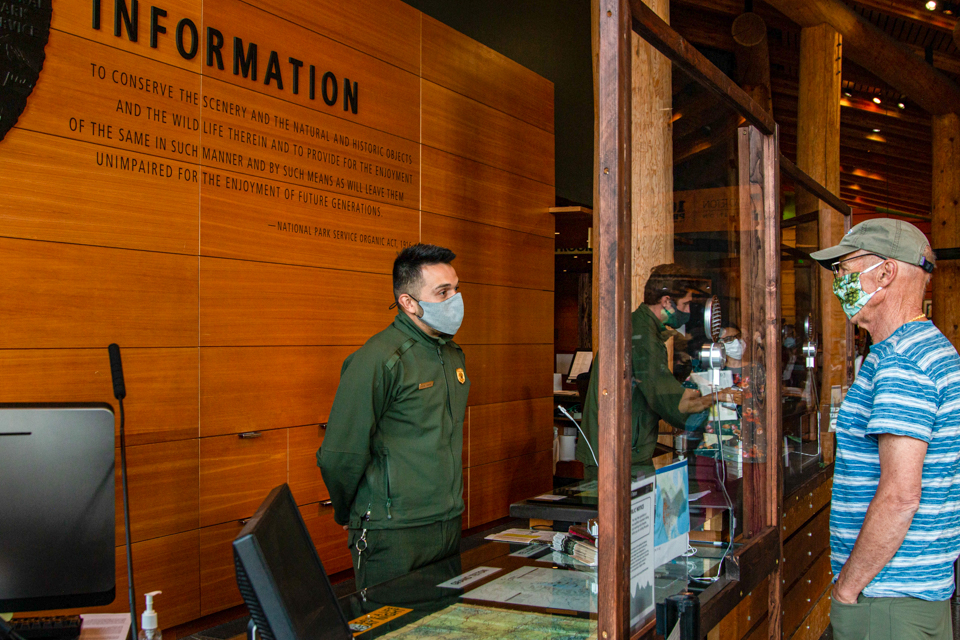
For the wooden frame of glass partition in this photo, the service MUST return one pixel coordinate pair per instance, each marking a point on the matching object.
(759, 159)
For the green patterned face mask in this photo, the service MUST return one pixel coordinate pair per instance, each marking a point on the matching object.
(850, 292)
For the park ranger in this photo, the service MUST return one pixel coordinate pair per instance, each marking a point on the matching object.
(392, 454)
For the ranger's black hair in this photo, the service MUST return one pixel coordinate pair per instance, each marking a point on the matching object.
(407, 275)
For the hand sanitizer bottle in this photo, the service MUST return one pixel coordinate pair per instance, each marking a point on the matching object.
(148, 621)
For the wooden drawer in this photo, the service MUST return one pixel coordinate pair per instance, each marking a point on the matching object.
(218, 577)
(236, 474)
(163, 485)
(329, 537)
(493, 487)
(304, 474)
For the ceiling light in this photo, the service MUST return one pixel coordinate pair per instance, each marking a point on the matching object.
(876, 130)
(876, 100)
(848, 94)
(931, 5)
(901, 105)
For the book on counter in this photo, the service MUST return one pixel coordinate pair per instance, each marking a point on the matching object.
(522, 536)
(577, 548)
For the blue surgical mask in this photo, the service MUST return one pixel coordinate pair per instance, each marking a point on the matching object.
(734, 349)
(445, 317)
(850, 292)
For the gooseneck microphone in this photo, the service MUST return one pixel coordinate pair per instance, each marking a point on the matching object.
(120, 392)
(116, 371)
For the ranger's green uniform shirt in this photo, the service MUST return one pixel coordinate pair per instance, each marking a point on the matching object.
(656, 393)
(394, 442)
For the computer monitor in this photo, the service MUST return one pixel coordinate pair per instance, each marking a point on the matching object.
(581, 362)
(57, 533)
(281, 577)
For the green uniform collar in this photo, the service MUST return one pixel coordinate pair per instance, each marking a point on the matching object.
(661, 328)
(405, 324)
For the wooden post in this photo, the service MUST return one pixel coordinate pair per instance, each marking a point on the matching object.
(613, 255)
(753, 58)
(652, 157)
(818, 154)
(945, 228)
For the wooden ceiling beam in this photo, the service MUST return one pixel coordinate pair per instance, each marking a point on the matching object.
(911, 12)
(892, 200)
(858, 199)
(881, 188)
(879, 53)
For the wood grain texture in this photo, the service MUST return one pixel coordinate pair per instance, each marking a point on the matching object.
(388, 97)
(76, 18)
(503, 315)
(236, 474)
(390, 28)
(303, 475)
(329, 537)
(493, 255)
(799, 601)
(330, 145)
(312, 228)
(71, 199)
(256, 304)
(799, 508)
(454, 61)
(170, 564)
(494, 486)
(800, 551)
(744, 617)
(218, 575)
(162, 481)
(510, 429)
(161, 404)
(251, 388)
(457, 187)
(652, 157)
(57, 295)
(945, 231)
(458, 125)
(813, 626)
(504, 373)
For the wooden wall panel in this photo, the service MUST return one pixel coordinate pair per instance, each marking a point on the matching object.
(348, 158)
(58, 295)
(303, 475)
(162, 481)
(452, 60)
(454, 123)
(510, 429)
(50, 160)
(236, 474)
(504, 373)
(457, 187)
(161, 403)
(251, 388)
(492, 255)
(388, 97)
(505, 315)
(218, 575)
(494, 486)
(75, 17)
(170, 564)
(393, 37)
(329, 537)
(255, 304)
(312, 228)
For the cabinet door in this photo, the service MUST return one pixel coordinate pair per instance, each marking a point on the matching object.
(329, 537)
(218, 577)
(237, 473)
(304, 475)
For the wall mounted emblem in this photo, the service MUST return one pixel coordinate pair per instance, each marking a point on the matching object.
(24, 30)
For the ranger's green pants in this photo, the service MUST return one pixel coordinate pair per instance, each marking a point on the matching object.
(384, 554)
(891, 619)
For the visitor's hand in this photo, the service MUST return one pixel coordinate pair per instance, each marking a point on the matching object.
(731, 395)
(693, 402)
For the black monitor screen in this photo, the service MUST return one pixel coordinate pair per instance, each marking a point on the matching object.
(57, 533)
(281, 577)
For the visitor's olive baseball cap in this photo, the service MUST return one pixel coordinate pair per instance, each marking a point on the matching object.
(884, 236)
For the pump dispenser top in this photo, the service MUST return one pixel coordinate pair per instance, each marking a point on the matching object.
(148, 621)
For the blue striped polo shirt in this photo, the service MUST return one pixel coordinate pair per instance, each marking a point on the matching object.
(909, 385)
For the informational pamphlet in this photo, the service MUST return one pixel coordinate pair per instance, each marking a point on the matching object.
(642, 493)
(671, 532)
(522, 536)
